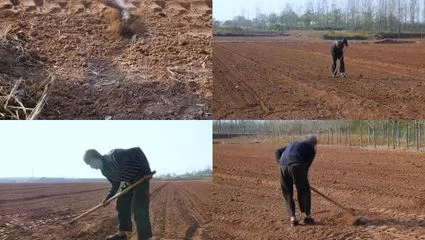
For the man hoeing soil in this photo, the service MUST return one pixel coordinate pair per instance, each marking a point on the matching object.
(124, 167)
(295, 160)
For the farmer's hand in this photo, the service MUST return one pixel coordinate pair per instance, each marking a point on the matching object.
(105, 202)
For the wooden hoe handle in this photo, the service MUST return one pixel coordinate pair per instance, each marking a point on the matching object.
(146, 177)
(332, 201)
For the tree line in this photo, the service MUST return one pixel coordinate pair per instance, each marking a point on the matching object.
(365, 15)
(189, 175)
(391, 134)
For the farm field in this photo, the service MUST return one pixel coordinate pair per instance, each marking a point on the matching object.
(162, 72)
(289, 78)
(385, 187)
(178, 210)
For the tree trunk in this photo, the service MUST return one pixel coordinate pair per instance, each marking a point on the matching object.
(368, 135)
(394, 132)
(336, 136)
(328, 137)
(388, 134)
(417, 135)
(407, 135)
(349, 136)
(398, 134)
(374, 135)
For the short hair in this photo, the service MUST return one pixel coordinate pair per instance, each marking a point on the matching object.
(311, 138)
(91, 154)
(345, 41)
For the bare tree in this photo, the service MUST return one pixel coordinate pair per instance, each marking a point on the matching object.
(392, 15)
(400, 6)
(367, 13)
(361, 134)
(407, 135)
(388, 133)
(423, 12)
(413, 11)
(417, 135)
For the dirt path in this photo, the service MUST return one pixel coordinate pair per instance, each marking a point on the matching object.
(179, 210)
(290, 79)
(165, 72)
(385, 187)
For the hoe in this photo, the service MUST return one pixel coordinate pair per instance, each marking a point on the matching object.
(147, 177)
(356, 221)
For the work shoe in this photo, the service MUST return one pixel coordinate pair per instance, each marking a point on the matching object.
(308, 220)
(117, 236)
(294, 223)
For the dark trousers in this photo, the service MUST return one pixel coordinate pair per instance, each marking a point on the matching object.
(137, 202)
(296, 174)
(335, 57)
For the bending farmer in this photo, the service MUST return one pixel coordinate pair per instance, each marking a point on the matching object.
(126, 166)
(337, 51)
(295, 160)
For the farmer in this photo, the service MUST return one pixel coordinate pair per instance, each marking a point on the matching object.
(126, 166)
(121, 6)
(337, 51)
(294, 160)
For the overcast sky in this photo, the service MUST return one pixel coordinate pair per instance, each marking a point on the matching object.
(227, 9)
(56, 148)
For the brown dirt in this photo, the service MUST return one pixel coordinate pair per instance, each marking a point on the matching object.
(164, 71)
(285, 78)
(381, 186)
(178, 210)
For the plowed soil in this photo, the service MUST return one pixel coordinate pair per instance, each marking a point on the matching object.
(385, 187)
(278, 78)
(163, 71)
(178, 210)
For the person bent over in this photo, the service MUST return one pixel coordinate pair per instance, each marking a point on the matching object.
(295, 160)
(337, 51)
(123, 167)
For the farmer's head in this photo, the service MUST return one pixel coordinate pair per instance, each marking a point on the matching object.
(312, 139)
(345, 42)
(93, 158)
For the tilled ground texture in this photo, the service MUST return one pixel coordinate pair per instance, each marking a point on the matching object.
(289, 78)
(162, 72)
(178, 210)
(385, 187)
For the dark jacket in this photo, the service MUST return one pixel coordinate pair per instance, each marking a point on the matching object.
(124, 165)
(337, 48)
(296, 153)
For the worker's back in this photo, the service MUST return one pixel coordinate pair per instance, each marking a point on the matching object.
(297, 153)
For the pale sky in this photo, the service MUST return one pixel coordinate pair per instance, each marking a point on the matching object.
(56, 148)
(227, 9)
